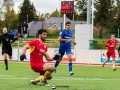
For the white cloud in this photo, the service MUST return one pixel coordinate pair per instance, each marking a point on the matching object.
(1, 3)
(17, 4)
(17, 0)
(42, 6)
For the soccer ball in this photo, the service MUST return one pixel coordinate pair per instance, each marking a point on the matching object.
(53, 87)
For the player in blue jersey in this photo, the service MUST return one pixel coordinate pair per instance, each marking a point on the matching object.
(65, 45)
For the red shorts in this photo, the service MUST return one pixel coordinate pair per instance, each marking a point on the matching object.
(110, 54)
(38, 68)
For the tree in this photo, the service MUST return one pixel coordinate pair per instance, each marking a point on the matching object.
(75, 16)
(41, 17)
(103, 15)
(31, 13)
(55, 13)
(1, 25)
(81, 7)
(116, 18)
(10, 17)
(27, 12)
(47, 15)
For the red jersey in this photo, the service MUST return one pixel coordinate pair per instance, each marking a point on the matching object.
(37, 50)
(111, 44)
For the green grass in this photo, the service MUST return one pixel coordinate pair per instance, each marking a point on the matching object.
(85, 78)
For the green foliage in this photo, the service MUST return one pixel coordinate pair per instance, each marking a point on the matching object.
(104, 16)
(42, 17)
(47, 15)
(75, 16)
(81, 6)
(10, 19)
(14, 23)
(116, 17)
(1, 26)
(101, 43)
(51, 41)
(27, 12)
(55, 13)
(53, 33)
(31, 37)
(103, 12)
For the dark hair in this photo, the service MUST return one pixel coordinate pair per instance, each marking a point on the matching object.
(68, 22)
(40, 31)
(113, 34)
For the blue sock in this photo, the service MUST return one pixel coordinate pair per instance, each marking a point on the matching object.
(56, 63)
(70, 66)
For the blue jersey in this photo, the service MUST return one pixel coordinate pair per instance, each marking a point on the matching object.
(65, 34)
(12, 34)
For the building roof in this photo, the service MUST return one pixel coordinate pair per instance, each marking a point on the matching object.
(33, 27)
(51, 22)
(54, 26)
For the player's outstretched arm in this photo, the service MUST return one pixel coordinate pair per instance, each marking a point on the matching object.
(47, 56)
(22, 57)
(72, 41)
(56, 57)
(107, 44)
(61, 39)
(12, 40)
(24, 49)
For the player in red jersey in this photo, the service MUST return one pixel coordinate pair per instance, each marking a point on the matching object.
(37, 51)
(111, 44)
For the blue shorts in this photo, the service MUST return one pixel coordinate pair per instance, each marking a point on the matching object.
(63, 50)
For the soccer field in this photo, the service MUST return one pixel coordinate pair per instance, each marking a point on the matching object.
(85, 78)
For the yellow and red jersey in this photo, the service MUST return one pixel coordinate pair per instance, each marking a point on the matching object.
(37, 51)
(111, 43)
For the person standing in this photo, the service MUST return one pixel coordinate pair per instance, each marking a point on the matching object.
(6, 40)
(111, 45)
(65, 38)
(37, 51)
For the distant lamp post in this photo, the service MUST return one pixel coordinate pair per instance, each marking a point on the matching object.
(118, 32)
(27, 18)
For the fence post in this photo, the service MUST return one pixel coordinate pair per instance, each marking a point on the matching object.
(18, 50)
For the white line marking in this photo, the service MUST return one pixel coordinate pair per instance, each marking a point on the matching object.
(57, 79)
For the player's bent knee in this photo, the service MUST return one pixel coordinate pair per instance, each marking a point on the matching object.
(70, 60)
(10, 57)
(5, 55)
(51, 69)
(50, 77)
(48, 68)
(113, 58)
